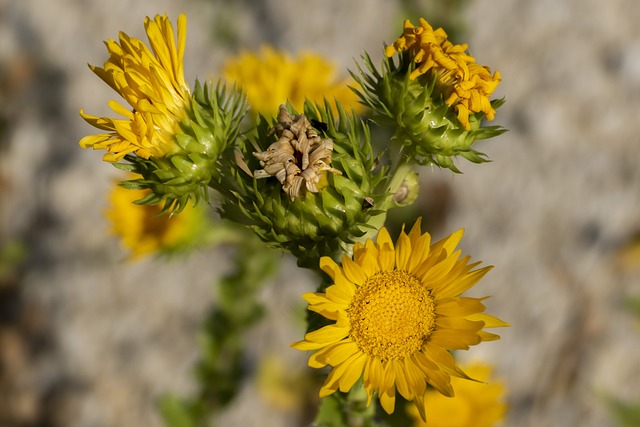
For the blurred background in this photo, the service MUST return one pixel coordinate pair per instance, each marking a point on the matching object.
(89, 338)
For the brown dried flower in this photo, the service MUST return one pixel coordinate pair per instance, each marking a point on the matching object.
(298, 156)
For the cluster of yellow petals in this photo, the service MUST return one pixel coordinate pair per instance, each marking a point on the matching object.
(142, 229)
(398, 313)
(465, 85)
(271, 78)
(152, 83)
(476, 403)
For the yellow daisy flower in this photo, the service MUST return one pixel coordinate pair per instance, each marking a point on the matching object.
(152, 83)
(465, 85)
(143, 229)
(272, 77)
(280, 386)
(398, 312)
(476, 403)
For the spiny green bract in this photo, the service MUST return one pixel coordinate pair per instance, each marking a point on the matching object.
(210, 127)
(314, 224)
(425, 128)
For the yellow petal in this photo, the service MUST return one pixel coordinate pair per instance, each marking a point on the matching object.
(455, 340)
(420, 249)
(373, 376)
(328, 334)
(305, 345)
(352, 373)
(415, 377)
(386, 252)
(340, 294)
(388, 400)
(384, 239)
(329, 266)
(464, 283)
(443, 359)
(341, 352)
(93, 140)
(489, 320)
(401, 380)
(459, 306)
(439, 271)
(336, 376)
(353, 271)
(403, 252)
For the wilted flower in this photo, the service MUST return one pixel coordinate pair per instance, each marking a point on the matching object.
(298, 156)
(302, 189)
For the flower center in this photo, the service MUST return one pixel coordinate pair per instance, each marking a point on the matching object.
(392, 315)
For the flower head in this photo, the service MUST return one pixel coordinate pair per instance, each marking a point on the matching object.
(144, 229)
(152, 83)
(397, 312)
(273, 77)
(304, 189)
(171, 137)
(476, 403)
(465, 85)
(433, 95)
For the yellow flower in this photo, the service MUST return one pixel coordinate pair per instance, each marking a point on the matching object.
(143, 229)
(464, 84)
(272, 77)
(280, 386)
(153, 85)
(476, 403)
(397, 314)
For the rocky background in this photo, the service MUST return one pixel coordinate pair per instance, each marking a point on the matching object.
(88, 339)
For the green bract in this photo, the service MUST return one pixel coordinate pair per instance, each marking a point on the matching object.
(313, 224)
(210, 127)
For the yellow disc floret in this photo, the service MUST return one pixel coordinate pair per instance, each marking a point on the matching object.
(391, 315)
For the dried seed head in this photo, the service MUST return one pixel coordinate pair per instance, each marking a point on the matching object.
(298, 156)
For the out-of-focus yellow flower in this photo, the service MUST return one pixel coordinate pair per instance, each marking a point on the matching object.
(465, 85)
(282, 387)
(144, 230)
(397, 312)
(476, 404)
(272, 77)
(152, 83)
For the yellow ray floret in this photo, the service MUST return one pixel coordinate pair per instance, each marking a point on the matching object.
(476, 403)
(398, 312)
(152, 82)
(143, 229)
(465, 85)
(271, 78)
